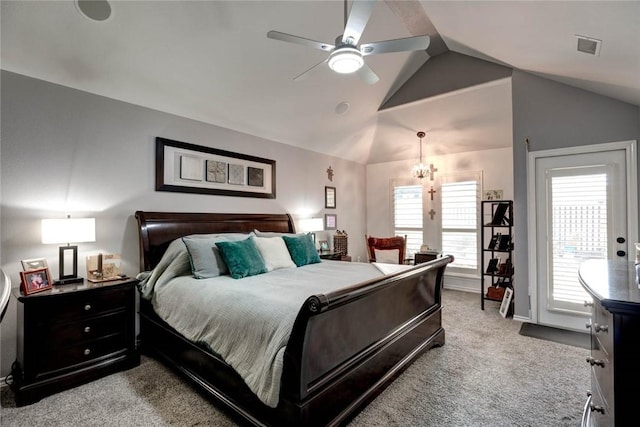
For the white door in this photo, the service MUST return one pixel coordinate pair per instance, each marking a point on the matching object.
(581, 213)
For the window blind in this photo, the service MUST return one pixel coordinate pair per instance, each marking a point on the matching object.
(460, 223)
(579, 231)
(407, 214)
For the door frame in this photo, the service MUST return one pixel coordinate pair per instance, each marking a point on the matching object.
(630, 148)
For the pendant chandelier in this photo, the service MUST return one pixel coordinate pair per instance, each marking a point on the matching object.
(421, 169)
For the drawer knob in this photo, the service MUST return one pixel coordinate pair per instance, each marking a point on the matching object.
(588, 325)
(588, 303)
(596, 362)
(602, 328)
(596, 408)
(87, 307)
(87, 351)
(87, 329)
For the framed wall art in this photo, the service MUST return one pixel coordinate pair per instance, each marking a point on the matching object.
(330, 197)
(188, 168)
(330, 221)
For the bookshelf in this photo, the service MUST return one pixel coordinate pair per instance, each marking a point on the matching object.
(496, 218)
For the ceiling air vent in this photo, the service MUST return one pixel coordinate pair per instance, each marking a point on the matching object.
(589, 45)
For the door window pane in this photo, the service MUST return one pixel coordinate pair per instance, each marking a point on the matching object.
(579, 232)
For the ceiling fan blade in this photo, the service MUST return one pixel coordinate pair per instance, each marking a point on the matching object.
(397, 45)
(277, 35)
(367, 75)
(360, 12)
(310, 71)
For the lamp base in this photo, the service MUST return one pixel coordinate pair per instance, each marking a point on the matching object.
(68, 281)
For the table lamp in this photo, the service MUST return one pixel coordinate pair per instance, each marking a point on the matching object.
(69, 230)
(311, 225)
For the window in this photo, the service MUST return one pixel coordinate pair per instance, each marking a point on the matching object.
(407, 215)
(460, 222)
(578, 231)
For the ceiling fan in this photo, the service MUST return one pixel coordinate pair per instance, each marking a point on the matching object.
(346, 56)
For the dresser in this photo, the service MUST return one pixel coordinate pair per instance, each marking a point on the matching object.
(72, 334)
(615, 342)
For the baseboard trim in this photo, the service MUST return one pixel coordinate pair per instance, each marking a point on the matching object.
(522, 319)
(458, 283)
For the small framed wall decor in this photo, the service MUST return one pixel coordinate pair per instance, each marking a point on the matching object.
(330, 221)
(35, 281)
(188, 168)
(330, 197)
(34, 264)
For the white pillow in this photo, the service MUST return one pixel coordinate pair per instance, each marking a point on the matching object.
(274, 252)
(387, 256)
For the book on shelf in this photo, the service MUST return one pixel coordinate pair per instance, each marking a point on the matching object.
(492, 267)
(494, 241)
(500, 215)
(504, 243)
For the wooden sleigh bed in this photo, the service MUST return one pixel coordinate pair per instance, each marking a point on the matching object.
(393, 319)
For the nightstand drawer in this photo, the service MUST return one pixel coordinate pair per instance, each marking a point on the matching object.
(64, 334)
(83, 304)
(70, 357)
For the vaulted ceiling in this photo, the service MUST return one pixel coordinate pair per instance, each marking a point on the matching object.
(211, 61)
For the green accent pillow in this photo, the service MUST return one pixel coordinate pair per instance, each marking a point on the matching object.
(302, 249)
(242, 258)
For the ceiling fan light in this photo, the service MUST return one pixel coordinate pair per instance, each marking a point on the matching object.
(346, 60)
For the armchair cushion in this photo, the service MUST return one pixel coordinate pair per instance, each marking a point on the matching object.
(386, 244)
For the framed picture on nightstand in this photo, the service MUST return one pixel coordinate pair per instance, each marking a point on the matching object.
(34, 264)
(35, 281)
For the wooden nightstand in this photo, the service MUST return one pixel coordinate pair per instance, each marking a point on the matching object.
(73, 334)
(421, 257)
(336, 256)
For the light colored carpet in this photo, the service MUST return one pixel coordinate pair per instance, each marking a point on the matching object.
(487, 374)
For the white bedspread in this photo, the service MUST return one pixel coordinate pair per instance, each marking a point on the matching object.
(246, 321)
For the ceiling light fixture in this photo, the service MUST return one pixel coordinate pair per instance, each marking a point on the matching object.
(420, 170)
(345, 60)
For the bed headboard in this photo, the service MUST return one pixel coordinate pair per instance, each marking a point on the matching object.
(158, 229)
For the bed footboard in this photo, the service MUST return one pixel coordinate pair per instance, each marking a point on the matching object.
(348, 345)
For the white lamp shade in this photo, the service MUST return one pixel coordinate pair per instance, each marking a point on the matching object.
(69, 230)
(309, 225)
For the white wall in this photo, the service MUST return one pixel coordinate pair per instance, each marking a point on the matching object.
(68, 151)
(495, 165)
